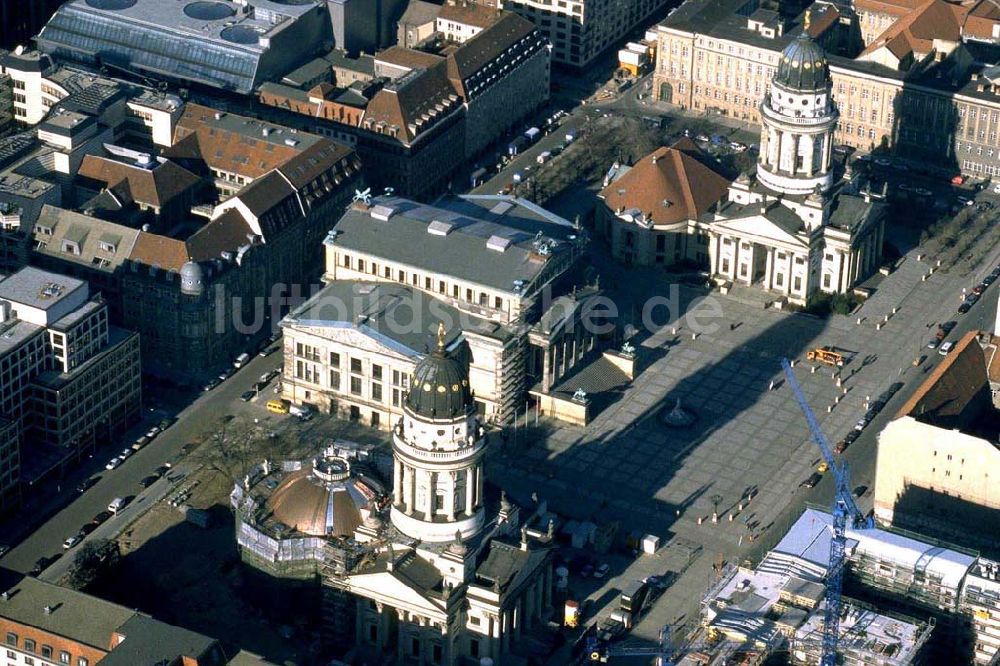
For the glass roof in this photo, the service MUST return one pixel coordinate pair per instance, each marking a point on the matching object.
(154, 50)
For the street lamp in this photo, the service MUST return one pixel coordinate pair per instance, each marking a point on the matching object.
(716, 500)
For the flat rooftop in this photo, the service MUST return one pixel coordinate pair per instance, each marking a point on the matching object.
(37, 288)
(809, 539)
(500, 242)
(14, 333)
(55, 380)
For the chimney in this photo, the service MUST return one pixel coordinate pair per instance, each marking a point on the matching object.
(48, 610)
(655, 157)
(524, 537)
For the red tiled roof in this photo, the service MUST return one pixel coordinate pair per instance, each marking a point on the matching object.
(408, 58)
(228, 150)
(952, 388)
(916, 31)
(468, 13)
(156, 250)
(154, 186)
(667, 175)
(413, 99)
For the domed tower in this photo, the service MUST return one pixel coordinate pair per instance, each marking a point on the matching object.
(438, 448)
(798, 120)
(192, 279)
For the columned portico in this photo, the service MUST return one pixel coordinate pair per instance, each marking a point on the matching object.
(787, 228)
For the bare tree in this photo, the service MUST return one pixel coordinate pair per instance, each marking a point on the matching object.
(237, 446)
(94, 560)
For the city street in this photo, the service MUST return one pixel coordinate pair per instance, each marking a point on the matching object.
(193, 423)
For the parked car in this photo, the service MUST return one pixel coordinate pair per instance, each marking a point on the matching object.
(933, 344)
(226, 374)
(161, 470)
(862, 422)
(100, 518)
(964, 307)
(153, 432)
(247, 396)
(267, 351)
(947, 326)
(587, 571)
(883, 162)
(212, 383)
(946, 348)
(602, 570)
(978, 289)
(125, 454)
(811, 482)
(87, 528)
(849, 439)
(40, 565)
(149, 480)
(113, 463)
(141, 442)
(72, 541)
(922, 191)
(165, 423)
(4, 549)
(87, 484)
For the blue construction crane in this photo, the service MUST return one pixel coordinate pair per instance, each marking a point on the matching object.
(844, 510)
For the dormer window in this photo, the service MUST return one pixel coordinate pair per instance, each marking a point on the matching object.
(105, 246)
(43, 230)
(70, 247)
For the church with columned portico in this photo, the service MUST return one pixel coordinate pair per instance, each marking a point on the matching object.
(793, 228)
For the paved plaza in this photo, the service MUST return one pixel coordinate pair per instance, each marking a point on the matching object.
(630, 467)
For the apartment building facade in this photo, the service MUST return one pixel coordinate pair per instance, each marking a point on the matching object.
(580, 30)
(71, 381)
(944, 107)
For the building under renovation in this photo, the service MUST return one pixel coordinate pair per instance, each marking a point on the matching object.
(913, 601)
(439, 571)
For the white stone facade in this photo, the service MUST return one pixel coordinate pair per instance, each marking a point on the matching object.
(438, 477)
(793, 232)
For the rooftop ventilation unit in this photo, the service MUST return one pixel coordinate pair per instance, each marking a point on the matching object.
(501, 207)
(498, 243)
(440, 228)
(382, 212)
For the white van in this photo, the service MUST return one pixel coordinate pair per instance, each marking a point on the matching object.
(241, 360)
(117, 504)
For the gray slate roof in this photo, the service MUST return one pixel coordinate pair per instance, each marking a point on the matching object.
(463, 252)
(149, 641)
(398, 316)
(74, 615)
(507, 566)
